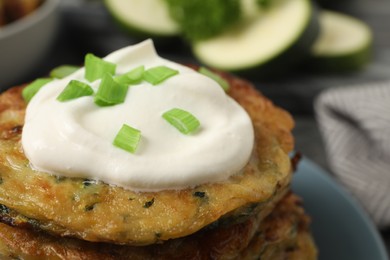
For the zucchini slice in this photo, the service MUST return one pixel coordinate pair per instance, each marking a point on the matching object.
(266, 41)
(344, 43)
(144, 18)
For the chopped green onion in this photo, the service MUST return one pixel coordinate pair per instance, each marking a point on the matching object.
(184, 121)
(110, 92)
(63, 71)
(75, 89)
(30, 90)
(127, 138)
(223, 83)
(158, 74)
(96, 68)
(132, 77)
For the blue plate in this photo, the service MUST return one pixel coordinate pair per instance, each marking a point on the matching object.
(341, 228)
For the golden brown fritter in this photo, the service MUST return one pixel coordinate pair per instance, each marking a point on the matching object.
(282, 235)
(285, 234)
(100, 212)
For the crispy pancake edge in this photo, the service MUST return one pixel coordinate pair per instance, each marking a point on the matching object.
(283, 233)
(100, 212)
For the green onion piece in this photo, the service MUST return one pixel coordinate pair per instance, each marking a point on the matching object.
(96, 68)
(110, 92)
(184, 121)
(223, 83)
(75, 89)
(127, 138)
(158, 74)
(132, 77)
(63, 71)
(30, 90)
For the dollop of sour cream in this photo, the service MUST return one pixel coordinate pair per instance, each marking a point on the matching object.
(75, 138)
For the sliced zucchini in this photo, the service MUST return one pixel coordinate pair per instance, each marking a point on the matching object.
(266, 41)
(145, 18)
(344, 43)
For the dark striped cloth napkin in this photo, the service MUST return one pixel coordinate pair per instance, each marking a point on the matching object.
(355, 125)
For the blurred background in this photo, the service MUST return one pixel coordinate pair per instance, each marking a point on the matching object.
(61, 32)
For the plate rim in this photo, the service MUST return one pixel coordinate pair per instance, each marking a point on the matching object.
(322, 175)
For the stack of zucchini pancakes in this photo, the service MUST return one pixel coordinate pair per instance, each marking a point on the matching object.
(252, 215)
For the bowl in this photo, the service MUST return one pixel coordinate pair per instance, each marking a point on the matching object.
(25, 42)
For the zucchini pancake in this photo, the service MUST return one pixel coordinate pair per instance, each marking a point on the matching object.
(248, 213)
